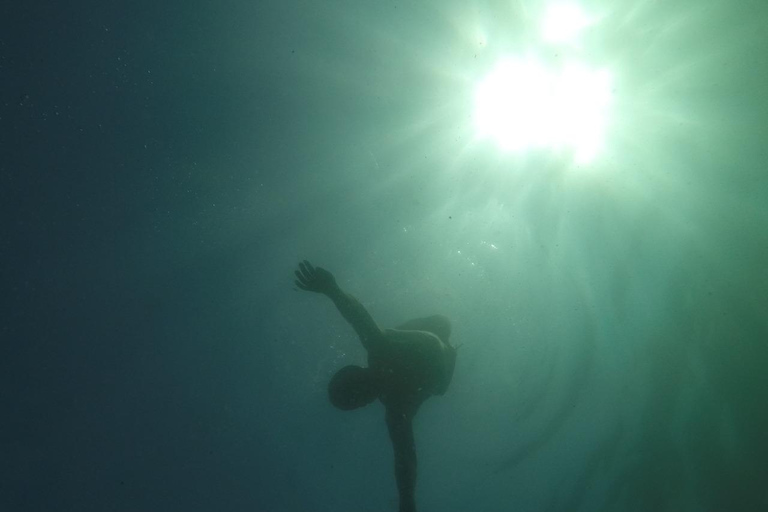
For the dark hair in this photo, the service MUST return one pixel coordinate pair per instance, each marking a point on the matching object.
(352, 387)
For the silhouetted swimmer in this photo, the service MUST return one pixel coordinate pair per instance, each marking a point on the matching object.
(406, 366)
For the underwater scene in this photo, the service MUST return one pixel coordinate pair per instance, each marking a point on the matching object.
(454, 256)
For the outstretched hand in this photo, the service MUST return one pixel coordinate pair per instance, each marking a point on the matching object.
(314, 279)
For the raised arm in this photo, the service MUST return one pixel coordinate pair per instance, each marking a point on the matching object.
(319, 280)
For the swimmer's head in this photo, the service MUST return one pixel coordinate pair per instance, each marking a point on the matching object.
(352, 387)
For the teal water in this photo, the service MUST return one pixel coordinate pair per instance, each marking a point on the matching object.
(169, 164)
(612, 312)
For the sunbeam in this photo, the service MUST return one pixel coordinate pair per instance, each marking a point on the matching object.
(524, 104)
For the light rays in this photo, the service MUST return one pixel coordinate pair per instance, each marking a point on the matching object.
(563, 22)
(596, 90)
(523, 104)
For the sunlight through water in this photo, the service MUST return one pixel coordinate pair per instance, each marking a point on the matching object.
(530, 103)
(524, 104)
(563, 22)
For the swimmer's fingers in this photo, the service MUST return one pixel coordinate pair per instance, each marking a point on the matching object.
(307, 270)
(306, 277)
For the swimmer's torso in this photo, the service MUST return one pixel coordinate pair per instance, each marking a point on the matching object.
(410, 365)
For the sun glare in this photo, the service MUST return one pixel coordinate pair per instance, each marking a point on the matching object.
(563, 22)
(527, 103)
(524, 104)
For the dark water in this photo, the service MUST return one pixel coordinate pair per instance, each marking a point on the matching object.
(164, 165)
